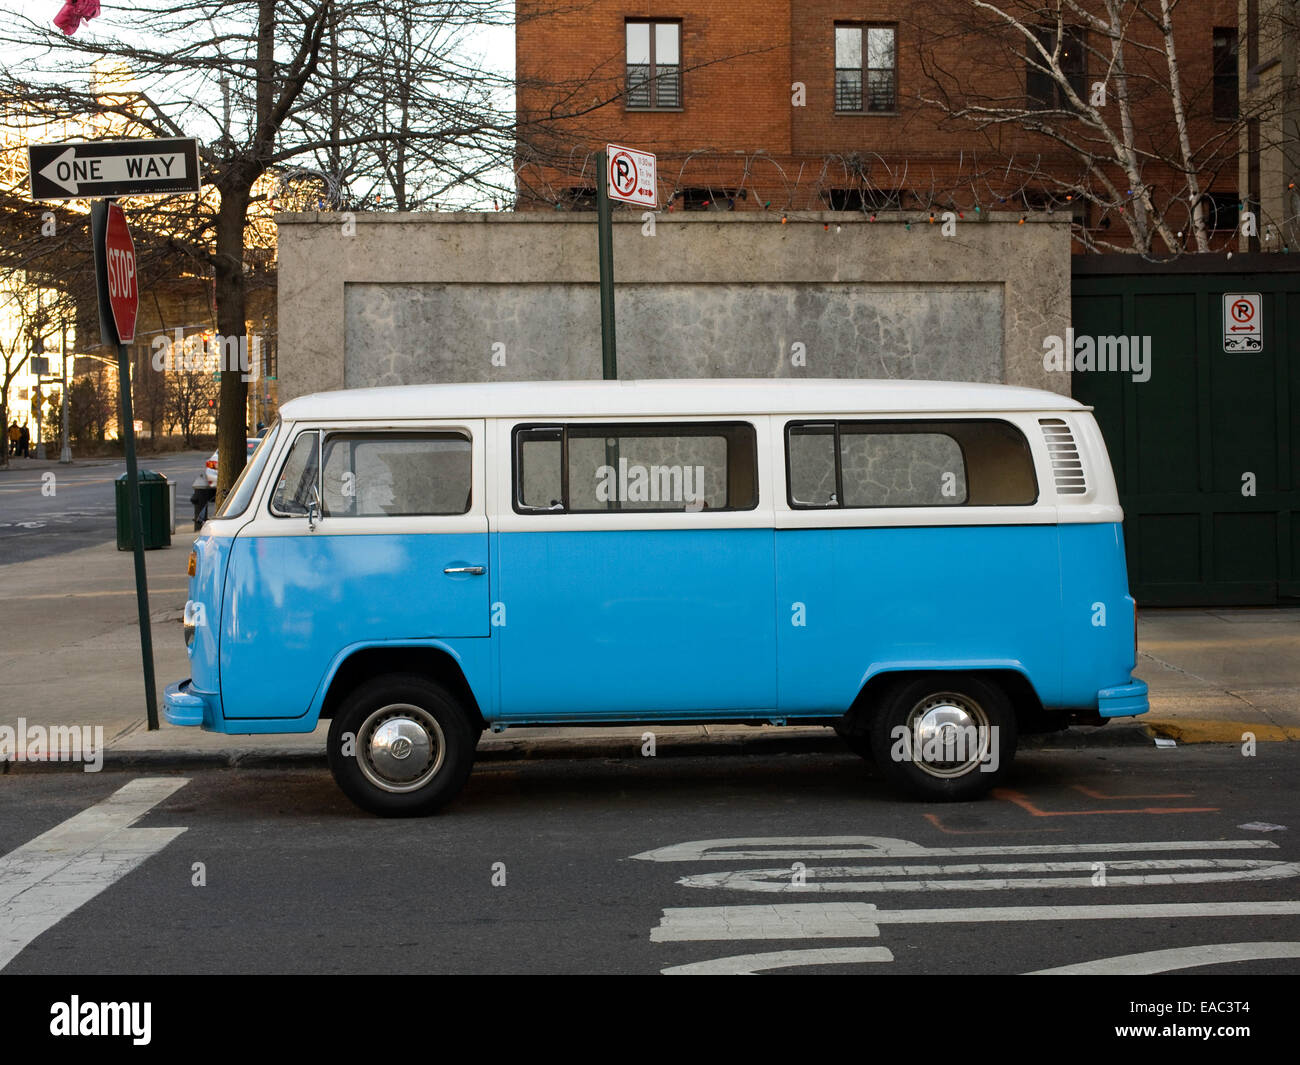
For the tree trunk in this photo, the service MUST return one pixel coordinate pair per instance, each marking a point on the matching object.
(232, 403)
(1184, 141)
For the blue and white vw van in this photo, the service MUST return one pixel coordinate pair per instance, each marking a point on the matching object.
(930, 568)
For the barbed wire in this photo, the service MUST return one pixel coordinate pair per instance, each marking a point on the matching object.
(868, 184)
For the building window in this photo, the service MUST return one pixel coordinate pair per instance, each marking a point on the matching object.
(1222, 211)
(580, 198)
(711, 199)
(654, 65)
(864, 199)
(1042, 91)
(1225, 73)
(866, 69)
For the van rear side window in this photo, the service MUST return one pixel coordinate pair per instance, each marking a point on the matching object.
(908, 464)
(589, 469)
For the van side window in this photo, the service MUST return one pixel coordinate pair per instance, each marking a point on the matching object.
(539, 469)
(908, 464)
(589, 469)
(297, 477)
(392, 474)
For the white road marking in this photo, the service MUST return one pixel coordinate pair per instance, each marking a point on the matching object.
(749, 964)
(1165, 961)
(47, 879)
(857, 920)
(826, 920)
(806, 848)
(1262, 826)
(838, 878)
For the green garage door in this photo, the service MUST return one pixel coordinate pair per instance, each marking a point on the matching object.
(1207, 451)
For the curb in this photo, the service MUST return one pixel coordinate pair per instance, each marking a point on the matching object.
(1194, 731)
(802, 742)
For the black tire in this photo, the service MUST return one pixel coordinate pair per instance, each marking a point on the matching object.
(948, 703)
(374, 772)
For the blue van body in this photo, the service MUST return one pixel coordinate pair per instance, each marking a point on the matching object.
(779, 616)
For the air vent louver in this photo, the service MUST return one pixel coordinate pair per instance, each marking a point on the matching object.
(1067, 467)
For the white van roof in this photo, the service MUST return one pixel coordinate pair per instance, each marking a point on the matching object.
(727, 397)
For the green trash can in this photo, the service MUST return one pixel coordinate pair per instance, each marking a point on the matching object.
(155, 511)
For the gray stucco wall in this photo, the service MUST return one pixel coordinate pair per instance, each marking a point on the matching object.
(472, 297)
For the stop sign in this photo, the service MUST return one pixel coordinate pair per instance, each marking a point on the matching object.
(119, 260)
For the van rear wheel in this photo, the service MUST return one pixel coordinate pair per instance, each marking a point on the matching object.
(400, 746)
(945, 737)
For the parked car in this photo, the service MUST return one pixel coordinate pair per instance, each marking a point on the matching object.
(205, 485)
(210, 467)
(931, 568)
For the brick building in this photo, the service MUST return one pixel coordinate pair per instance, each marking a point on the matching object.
(848, 106)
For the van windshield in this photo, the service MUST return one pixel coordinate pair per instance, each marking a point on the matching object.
(242, 490)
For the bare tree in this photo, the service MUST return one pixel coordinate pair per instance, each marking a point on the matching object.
(18, 312)
(249, 77)
(1104, 100)
(92, 405)
(189, 392)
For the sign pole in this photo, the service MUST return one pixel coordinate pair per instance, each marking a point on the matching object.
(99, 230)
(137, 536)
(605, 240)
(65, 450)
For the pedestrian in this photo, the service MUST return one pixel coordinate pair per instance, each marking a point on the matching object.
(24, 441)
(15, 434)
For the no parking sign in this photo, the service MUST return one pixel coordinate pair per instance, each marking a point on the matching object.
(631, 176)
(1243, 322)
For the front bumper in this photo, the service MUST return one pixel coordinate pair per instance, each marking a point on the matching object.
(1128, 700)
(183, 705)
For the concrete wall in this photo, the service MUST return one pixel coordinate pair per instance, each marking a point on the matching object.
(412, 298)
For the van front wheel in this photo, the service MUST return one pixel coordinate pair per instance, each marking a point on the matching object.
(945, 737)
(400, 746)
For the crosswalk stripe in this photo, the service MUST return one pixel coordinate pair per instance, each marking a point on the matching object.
(53, 875)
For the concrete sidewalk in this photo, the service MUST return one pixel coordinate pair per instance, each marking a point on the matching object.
(70, 655)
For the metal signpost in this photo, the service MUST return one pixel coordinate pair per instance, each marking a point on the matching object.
(629, 177)
(119, 301)
(83, 169)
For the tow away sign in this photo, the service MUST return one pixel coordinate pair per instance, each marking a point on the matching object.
(631, 176)
(1243, 322)
(84, 169)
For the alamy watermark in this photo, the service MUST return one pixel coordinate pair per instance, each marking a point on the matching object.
(53, 743)
(209, 353)
(77, 1018)
(1089, 354)
(653, 484)
(950, 744)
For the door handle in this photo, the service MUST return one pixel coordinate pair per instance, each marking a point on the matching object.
(478, 571)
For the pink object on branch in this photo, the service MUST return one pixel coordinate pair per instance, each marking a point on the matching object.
(69, 19)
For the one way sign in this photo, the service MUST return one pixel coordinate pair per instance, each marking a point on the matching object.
(84, 169)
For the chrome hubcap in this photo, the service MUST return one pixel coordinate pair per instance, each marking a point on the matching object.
(950, 735)
(400, 747)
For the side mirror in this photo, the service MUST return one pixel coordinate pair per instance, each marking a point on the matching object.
(313, 508)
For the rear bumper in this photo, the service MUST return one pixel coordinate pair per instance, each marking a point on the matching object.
(183, 705)
(1128, 700)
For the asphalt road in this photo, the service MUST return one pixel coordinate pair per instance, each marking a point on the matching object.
(1138, 850)
(79, 512)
